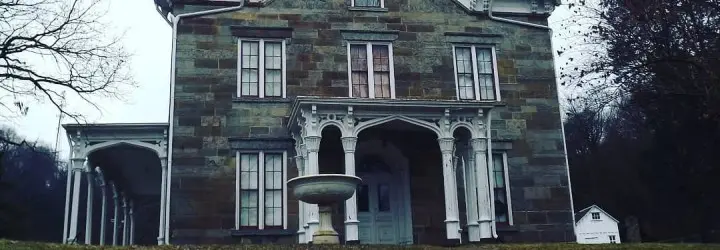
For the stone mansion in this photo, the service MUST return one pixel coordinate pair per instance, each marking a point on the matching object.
(447, 109)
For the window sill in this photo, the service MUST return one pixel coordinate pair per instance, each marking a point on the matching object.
(247, 99)
(368, 9)
(263, 232)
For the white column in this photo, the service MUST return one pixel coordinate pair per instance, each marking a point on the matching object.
(116, 213)
(306, 209)
(163, 193)
(125, 219)
(452, 222)
(483, 188)
(312, 144)
(89, 206)
(471, 194)
(68, 185)
(77, 169)
(299, 163)
(351, 218)
(132, 223)
(103, 209)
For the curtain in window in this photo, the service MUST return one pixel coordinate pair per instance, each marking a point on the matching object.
(381, 70)
(273, 189)
(485, 74)
(249, 68)
(273, 69)
(367, 3)
(358, 66)
(464, 71)
(248, 190)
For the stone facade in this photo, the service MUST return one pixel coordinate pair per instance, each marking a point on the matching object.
(209, 118)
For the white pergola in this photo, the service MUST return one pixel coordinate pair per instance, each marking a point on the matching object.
(120, 144)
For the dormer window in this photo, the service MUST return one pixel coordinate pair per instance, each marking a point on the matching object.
(595, 215)
(368, 3)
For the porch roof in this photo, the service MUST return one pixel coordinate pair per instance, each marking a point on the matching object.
(384, 107)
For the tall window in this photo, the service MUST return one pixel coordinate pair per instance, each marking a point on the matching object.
(371, 71)
(262, 67)
(500, 188)
(612, 239)
(368, 3)
(261, 198)
(475, 74)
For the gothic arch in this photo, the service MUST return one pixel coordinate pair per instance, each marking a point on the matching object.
(374, 122)
(157, 149)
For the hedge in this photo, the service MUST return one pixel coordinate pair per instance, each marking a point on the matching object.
(18, 245)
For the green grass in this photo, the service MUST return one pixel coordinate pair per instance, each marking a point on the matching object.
(18, 245)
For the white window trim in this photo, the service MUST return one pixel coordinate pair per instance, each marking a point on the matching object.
(476, 83)
(261, 186)
(507, 186)
(371, 79)
(382, 4)
(261, 67)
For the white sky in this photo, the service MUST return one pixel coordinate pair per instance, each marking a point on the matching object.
(148, 37)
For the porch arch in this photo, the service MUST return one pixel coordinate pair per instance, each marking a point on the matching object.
(374, 122)
(90, 149)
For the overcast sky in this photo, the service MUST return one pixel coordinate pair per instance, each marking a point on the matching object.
(148, 37)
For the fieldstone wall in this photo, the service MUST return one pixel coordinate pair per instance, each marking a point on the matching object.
(208, 115)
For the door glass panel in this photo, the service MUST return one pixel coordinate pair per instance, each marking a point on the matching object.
(383, 197)
(363, 199)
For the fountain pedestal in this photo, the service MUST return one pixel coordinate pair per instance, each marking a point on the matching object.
(324, 190)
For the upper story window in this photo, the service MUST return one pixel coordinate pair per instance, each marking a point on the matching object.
(595, 215)
(501, 189)
(262, 68)
(261, 193)
(368, 3)
(475, 73)
(370, 70)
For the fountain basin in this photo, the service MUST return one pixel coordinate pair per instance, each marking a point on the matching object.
(324, 189)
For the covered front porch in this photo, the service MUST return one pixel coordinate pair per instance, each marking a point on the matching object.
(421, 183)
(116, 184)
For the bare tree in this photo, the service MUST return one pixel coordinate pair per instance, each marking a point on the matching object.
(52, 47)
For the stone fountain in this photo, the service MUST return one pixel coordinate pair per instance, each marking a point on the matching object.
(324, 190)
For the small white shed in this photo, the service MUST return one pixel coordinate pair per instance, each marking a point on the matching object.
(595, 226)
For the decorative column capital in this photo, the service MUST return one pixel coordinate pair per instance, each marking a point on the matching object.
(349, 144)
(163, 162)
(479, 144)
(446, 145)
(312, 143)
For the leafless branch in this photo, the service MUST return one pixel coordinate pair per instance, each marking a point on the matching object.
(50, 46)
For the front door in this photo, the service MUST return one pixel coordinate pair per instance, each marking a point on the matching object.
(377, 209)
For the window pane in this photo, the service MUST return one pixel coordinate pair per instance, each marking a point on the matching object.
(382, 85)
(248, 208)
(367, 3)
(485, 73)
(273, 208)
(381, 60)
(501, 207)
(358, 57)
(249, 68)
(248, 171)
(273, 55)
(383, 197)
(463, 60)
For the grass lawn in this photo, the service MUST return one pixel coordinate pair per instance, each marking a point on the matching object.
(18, 245)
